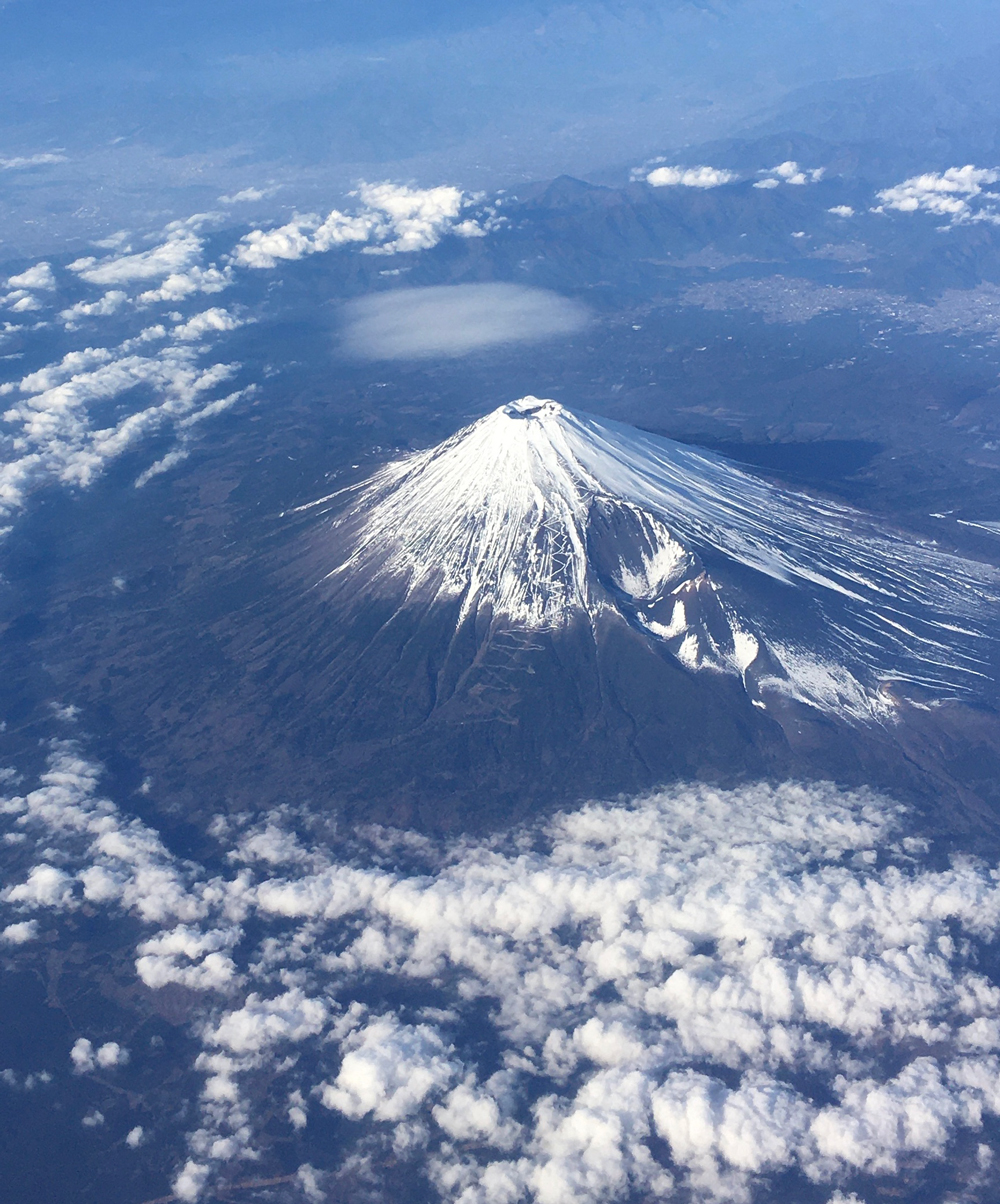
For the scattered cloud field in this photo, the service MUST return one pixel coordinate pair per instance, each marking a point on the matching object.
(698, 992)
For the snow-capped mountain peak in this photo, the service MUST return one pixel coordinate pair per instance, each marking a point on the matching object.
(535, 517)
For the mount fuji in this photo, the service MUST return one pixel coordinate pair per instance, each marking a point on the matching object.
(551, 604)
(536, 517)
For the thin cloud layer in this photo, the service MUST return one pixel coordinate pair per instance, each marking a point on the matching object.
(22, 162)
(455, 320)
(696, 993)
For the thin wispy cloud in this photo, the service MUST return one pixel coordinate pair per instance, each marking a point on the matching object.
(23, 162)
(52, 410)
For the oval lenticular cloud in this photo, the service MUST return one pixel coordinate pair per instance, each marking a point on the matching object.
(455, 320)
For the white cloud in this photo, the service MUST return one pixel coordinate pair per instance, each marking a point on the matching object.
(766, 981)
(210, 321)
(390, 218)
(181, 250)
(20, 302)
(690, 177)
(20, 162)
(82, 1056)
(946, 194)
(46, 886)
(455, 320)
(164, 464)
(110, 303)
(111, 1054)
(646, 891)
(389, 1070)
(72, 417)
(306, 235)
(39, 275)
(28, 1082)
(86, 1058)
(133, 1139)
(473, 1113)
(198, 960)
(176, 263)
(790, 172)
(124, 861)
(260, 1023)
(56, 438)
(180, 285)
(271, 844)
(189, 1183)
(248, 194)
(310, 1181)
(20, 933)
(841, 211)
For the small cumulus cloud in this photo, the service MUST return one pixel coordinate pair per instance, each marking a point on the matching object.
(25, 1082)
(210, 321)
(110, 303)
(21, 302)
(959, 194)
(38, 276)
(690, 177)
(455, 320)
(20, 933)
(82, 1056)
(841, 211)
(789, 172)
